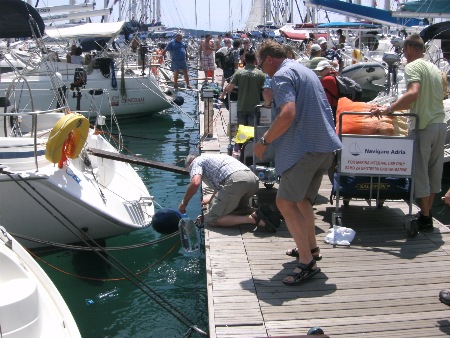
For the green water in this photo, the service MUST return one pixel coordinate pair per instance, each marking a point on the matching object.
(179, 278)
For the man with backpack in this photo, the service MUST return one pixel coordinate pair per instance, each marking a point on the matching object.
(328, 79)
(229, 59)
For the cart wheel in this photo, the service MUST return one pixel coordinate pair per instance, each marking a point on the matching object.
(269, 185)
(346, 202)
(412, 228)
(380, 204)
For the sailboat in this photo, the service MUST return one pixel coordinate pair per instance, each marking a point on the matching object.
(131, 92)
(53, 189)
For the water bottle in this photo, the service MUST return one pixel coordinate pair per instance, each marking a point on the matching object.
(188, 234)
(103, 297)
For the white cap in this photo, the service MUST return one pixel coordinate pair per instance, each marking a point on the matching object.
(315, 48)
(321, 40)
(322, 65)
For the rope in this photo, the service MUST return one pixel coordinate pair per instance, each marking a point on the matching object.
(101, 279)
(85, 248)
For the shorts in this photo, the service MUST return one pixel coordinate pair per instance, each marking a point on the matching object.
(429, 159)
(237, 189)
(178, 64)
(228, 74)
(208, 62)
(304, 178)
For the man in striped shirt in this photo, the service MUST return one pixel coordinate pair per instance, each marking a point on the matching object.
(304, 141)
(233, 183)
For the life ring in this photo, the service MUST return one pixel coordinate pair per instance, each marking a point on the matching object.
(67, 138)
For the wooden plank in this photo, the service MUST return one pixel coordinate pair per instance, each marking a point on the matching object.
(137, 160)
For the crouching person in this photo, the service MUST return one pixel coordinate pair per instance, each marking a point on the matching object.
(233, 183)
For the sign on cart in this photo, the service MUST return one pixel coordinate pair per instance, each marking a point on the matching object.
(377, 156)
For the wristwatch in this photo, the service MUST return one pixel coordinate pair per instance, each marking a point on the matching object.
(263, 141)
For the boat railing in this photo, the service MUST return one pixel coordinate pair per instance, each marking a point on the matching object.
(41, 122)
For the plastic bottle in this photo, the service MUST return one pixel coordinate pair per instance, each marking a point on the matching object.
(188, 234)
(103, 297)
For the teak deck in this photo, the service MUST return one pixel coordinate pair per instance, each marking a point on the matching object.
(383, 285)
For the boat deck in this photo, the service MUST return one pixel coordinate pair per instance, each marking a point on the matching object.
(383, 285)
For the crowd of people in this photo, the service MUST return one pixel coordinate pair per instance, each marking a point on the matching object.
(304, 99)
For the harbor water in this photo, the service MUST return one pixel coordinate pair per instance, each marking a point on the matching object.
(102, 301)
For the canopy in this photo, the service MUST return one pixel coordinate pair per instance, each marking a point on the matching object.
(349, 25)
(15, 20)
(427, 6)
(87, 30)
(439, 30)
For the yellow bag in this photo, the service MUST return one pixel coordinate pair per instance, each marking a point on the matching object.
(244, 133)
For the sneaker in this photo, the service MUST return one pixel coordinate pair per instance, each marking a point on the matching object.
(425, 223)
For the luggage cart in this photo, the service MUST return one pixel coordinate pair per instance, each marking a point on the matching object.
(378, 158)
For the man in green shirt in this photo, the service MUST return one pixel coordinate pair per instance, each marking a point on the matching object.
(424, 96)
(250, 81)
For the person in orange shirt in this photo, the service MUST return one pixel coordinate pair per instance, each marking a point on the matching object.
(327, 76)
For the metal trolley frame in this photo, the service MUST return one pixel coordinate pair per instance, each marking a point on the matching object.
(376, 157)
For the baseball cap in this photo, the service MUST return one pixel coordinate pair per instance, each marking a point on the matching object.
(315, 48)
(321, 40)
(322, 65)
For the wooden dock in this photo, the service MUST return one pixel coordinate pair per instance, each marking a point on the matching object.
(383, 285)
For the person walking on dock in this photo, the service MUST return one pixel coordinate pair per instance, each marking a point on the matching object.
(206, 53)
(178, 53)
(304, 141)
(233, 183)
(424, 97)
(250, 81)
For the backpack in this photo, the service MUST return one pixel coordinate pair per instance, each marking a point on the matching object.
(219, 59)
(228, 60)
(348, 88)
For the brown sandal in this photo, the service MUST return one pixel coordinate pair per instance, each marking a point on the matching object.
(258, 216)
(294, 253)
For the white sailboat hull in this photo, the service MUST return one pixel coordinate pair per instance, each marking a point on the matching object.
(30, 305)
(132, 95)
(72, 203)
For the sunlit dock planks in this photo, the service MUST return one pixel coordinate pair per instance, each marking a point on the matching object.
(383, 285)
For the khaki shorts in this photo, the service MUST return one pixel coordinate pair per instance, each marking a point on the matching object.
(429, 159)
(234, 195)
(304, 178)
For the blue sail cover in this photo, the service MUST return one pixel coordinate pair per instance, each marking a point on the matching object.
(349, 25)
(363, 12)
(17, 19)
(427, 6)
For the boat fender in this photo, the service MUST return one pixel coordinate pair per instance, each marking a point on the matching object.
(165, 221)
(314, 331)
(168, 92)
(179, 100)
(67, 137)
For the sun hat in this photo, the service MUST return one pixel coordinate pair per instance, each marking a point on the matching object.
(322, 65)
(315, 48)
(321, 40)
